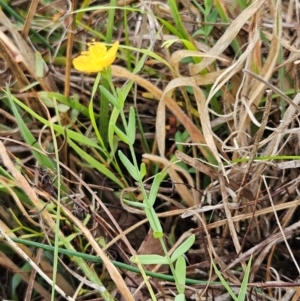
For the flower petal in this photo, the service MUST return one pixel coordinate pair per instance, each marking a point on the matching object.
(111, 54)
(97, 49)
(96, 58)
(85, 63)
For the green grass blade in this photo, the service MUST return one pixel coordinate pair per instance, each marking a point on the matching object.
(42, 159)
(181, 31)
(95, 164)
(78, 137)
(243, 290)
(224, 282)
(70, 102)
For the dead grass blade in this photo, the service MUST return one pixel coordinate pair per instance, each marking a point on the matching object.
(7, 263)
(112, 270)
(3, 231)
(194, 132)
(22, 183)
(266, 252)
(21, 52)
(203, 113)
(261, 212)
(31, 13)
(228, 214)
(255, 92)
(235, 68)
(212, 173)
(228, 36)
(266, 245)
(174, 172)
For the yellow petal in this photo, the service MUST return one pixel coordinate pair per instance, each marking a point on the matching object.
(97, 49)
(96, 58)
(111, 54)
(103, 61)
(84, 63)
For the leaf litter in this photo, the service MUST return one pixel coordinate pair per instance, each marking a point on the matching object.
(232, 162)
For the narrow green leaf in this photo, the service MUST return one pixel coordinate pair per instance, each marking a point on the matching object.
(154, 189)
(150, 259)
(122, 94)
(243, 289)
(111, 21)
(111, 128)
(181, 30)
(208, 6)
(70, 102)
(180, 270)
(96, 84)
(103, 121)
(129, 166)
(42, 159)
(131, 129)
(135, 204)
(224, 282)
(122, 135)
(112, 99)
(83, 4)
(143, 170)
(94, 163)
(94, 123)
(39, 64)
(184, 247)
(154, 222)
(212, 18)
(113, 147)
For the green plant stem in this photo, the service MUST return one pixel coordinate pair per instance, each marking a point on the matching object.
(170, 263)
(97, 259)
(145, 196)
(58, 208)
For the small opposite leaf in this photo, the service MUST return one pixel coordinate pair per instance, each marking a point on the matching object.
(129, 166)
(143, 170)
(154, 189)
(111, 98)
(131, 126)
(180, 270)
(184, 247)
(154, 222)
(121, 98)
(122, 135)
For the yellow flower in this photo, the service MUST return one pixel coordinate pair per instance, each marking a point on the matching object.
(96, 58)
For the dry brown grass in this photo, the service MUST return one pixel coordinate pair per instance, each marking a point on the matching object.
(235, 94)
